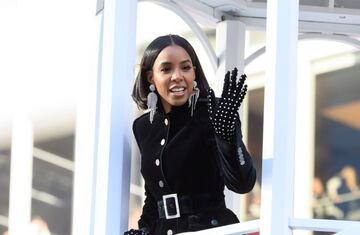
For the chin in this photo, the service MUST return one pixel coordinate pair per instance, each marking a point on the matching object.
(179, 102)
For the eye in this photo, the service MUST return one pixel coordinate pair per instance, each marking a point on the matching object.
(165, 69)
(186, 67)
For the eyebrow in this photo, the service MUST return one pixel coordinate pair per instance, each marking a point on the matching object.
(169, 63)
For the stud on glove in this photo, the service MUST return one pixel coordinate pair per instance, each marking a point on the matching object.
(136, 232)
(224, 112)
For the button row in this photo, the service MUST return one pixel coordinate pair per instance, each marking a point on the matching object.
(157, 163)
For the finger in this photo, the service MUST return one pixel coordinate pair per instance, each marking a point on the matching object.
(240, 97)
(226, 84)
(243, 93)
(241, 82)
(242, 79)
(240, 85)
(233, 81)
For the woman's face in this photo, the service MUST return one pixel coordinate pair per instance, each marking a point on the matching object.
(173, 76)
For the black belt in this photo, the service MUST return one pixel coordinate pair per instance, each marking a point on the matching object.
(173, 206)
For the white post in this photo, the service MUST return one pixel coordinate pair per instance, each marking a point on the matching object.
(230, 51)
(279, 117)
(86, 116)
(305, 133)
(21, 173)
(114, 118)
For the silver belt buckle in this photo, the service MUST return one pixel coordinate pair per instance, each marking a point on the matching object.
(177, 215)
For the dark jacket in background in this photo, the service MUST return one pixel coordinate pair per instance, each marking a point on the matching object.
(181, 154)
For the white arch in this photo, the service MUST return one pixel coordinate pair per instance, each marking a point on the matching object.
(193, 26)
(306, 36)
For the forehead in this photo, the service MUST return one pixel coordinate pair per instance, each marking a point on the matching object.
(172, 54)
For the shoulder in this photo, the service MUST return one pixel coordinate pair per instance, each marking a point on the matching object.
(141, 120)
(140, 123)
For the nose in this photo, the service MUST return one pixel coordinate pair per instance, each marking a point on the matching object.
(177, 75)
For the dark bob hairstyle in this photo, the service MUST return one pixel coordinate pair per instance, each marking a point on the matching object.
(141, 86)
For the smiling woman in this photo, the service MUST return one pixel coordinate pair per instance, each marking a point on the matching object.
(173, 76)
(187, 130)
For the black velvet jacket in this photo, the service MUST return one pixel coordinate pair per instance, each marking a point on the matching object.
(181, 154)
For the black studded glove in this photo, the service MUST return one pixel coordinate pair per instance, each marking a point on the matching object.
(136, 232)
(225, 111)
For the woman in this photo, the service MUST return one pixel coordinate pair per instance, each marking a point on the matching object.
(190, 143)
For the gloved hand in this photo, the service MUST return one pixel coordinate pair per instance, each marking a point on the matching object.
(224, 113)
(136, 232)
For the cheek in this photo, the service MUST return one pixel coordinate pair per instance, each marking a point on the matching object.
(190, 82)
(161, 86)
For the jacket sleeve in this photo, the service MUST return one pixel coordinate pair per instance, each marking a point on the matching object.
(236, 163)
(149, 214)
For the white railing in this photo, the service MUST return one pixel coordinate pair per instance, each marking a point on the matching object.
(233, 229)
(341, 227)
(323, 225)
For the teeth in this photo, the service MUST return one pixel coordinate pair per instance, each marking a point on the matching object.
(177, 89)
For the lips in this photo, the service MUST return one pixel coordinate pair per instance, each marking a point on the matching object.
(177, 91)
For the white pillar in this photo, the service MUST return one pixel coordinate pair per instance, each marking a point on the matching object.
(84, 160)
(279, 117)
(305, 140)
(20, 173)
(230, 51)
(114, 118)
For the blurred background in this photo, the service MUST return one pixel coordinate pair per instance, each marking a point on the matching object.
(48, 53)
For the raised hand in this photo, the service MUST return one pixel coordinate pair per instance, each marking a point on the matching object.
(224, 112)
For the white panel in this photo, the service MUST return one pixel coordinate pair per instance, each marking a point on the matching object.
(279, 117)
(84, 171)
(20, 172)
(114, 112)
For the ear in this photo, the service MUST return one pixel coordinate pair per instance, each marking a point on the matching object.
(149, 77)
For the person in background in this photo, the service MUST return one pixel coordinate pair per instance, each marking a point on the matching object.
(190, 142)
(344, 191)
(323, 206)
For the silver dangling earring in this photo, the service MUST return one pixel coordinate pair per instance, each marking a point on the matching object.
(152, 101)
(194, 97)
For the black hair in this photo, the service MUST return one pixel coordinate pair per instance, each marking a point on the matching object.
(141, 85)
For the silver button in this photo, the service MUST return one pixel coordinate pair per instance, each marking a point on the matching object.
(162, 142)
(214, 222)
(166, 121)
(157, 162)
(241, 156)
(169, 232)
(161, 184)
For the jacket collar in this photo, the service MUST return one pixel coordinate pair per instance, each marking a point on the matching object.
(179, 110)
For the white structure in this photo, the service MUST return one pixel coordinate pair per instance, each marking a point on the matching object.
(103, 138)
(284, 20)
